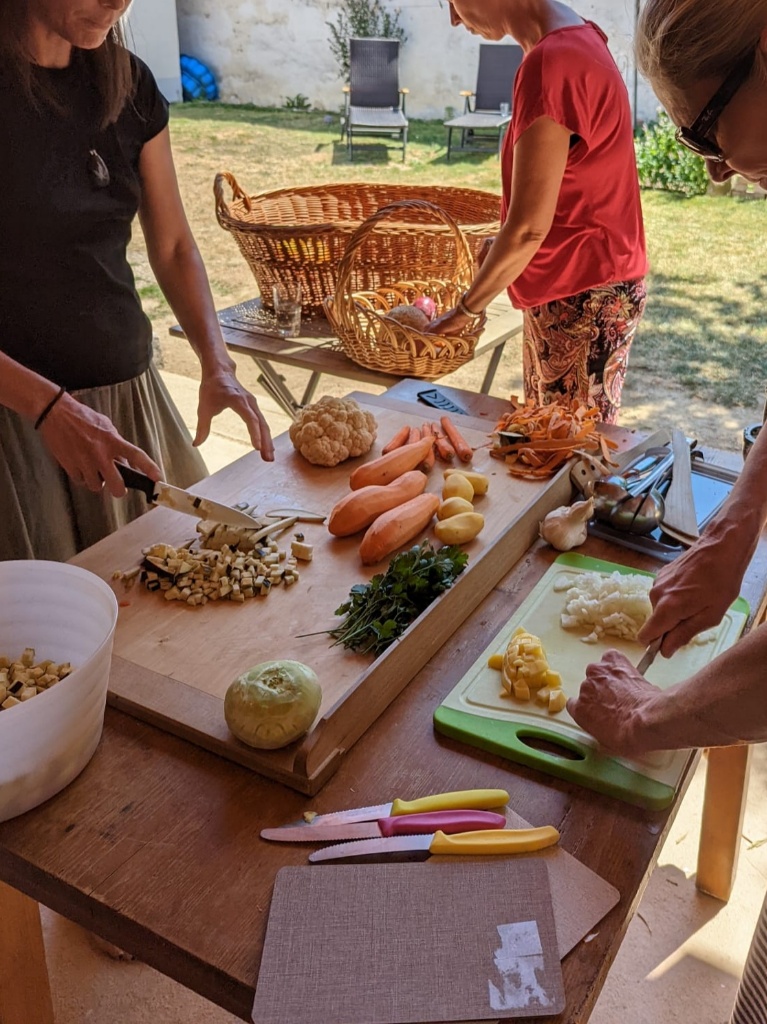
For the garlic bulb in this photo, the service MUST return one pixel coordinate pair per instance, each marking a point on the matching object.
(567, 527)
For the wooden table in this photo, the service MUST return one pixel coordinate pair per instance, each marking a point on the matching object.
(314, 350)
(156, 845)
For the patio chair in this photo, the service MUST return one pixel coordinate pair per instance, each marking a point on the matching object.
(482, 118)
(375, 104)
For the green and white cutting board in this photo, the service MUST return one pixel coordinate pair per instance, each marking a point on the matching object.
(475, 712)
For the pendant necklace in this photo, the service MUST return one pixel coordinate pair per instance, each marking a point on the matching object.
(98, 172)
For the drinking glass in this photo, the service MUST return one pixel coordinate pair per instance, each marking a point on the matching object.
(287, 309)
(505, 109)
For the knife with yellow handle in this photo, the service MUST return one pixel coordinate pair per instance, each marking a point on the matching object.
(498, 841)
(461, 800)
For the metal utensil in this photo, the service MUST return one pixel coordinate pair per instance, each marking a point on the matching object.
(641, 514)
(649, 655)
(160, 493)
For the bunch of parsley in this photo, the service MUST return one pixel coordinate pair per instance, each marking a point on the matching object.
(378, 612)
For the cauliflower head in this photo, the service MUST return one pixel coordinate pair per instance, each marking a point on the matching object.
(332, 430)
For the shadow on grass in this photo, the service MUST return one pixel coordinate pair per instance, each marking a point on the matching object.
(714, 343)
(423, 136)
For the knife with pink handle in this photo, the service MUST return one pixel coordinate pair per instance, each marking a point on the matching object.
(449, 822)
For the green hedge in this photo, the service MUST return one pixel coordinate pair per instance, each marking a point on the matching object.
(664, 164)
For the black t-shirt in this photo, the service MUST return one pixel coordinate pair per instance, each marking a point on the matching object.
(68, 302)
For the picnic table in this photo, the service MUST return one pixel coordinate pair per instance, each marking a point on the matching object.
(317, 351)
(155, 846)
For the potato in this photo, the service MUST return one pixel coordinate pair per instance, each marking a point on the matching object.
(460, 529)
(457, 486)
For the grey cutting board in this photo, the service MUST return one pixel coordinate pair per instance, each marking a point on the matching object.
(399, 942)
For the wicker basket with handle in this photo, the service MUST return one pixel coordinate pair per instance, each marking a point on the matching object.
(299, 235)
(359, 318)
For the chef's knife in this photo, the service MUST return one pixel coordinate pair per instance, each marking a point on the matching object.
(404, 825)
(180, 500)
(492, 841)
(461, 800)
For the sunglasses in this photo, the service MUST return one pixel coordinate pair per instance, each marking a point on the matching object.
(696, 136)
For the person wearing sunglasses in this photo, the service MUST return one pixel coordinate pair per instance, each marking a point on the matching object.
(85, 147)
(571, 248)
(707, 62)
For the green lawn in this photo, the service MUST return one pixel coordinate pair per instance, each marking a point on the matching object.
(705, 329)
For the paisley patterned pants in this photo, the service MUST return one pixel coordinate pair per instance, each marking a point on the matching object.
(751, 1003)
(579, 346)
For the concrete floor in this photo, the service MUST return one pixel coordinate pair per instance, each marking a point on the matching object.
(679, 963)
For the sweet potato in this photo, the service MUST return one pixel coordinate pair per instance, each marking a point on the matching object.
(360, 508)
(396, 527)
(388, 467)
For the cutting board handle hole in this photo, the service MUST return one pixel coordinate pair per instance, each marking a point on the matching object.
(548, 746)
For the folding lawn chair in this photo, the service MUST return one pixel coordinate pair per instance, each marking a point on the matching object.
(375, 104)
(482, 119)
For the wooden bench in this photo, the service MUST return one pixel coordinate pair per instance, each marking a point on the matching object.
(317, 351)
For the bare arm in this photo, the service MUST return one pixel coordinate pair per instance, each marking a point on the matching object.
(176, 262)
(694, 592)
(83, 442)
(540, 158)
(721, 705)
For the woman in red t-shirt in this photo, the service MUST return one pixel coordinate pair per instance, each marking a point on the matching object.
(571, 251)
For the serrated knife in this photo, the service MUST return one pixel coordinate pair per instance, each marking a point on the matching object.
(492, 841)
(179, 500)
(459, 800)
(404, 825)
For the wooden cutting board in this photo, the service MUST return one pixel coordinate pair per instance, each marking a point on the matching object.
(475, 711)
(395, 943)
(173, 663)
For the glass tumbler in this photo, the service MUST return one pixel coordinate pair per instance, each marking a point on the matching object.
(287, 309)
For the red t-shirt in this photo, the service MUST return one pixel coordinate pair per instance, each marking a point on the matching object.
(597, 236)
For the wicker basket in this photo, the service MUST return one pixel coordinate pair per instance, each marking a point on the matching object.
(299, 235)
(359, 318)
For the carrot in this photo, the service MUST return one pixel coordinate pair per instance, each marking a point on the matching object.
(445, 450)
(397, 441)
(431, 455)
(462, 448)
(415, 435)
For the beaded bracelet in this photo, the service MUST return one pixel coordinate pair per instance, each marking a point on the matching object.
(43, 415)
(463, 308)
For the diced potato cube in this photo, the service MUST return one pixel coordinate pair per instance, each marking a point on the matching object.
(557, 701)
(542, 695)
(495, 661)
(521, 691)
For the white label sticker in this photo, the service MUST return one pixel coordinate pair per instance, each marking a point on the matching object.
(519, 963)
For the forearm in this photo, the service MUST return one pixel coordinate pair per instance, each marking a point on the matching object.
(23, 390)
(184, 282)
(723, 704)
(513, 249)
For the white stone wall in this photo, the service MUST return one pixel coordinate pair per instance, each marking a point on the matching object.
(263, 51)
(153, 34)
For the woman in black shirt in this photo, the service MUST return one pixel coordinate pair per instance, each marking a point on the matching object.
(85, 144)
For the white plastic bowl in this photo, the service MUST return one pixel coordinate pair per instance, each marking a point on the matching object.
(66, 614)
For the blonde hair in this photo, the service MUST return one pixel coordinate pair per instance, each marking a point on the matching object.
(681, 42)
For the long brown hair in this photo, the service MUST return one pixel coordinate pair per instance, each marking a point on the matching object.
(681, 42)
(110, 64)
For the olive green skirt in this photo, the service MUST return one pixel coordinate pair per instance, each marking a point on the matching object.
(43, 514)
